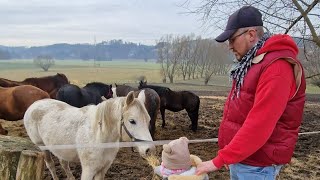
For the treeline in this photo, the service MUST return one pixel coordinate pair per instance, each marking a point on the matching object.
(104, 51)
(191, 57)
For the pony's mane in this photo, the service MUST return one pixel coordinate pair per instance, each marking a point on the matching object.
(109, 112)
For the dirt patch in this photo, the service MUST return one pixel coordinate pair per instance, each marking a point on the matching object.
(129, 165)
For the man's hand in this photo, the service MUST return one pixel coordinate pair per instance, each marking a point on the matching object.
(205, 167)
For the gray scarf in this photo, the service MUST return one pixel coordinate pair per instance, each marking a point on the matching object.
(240, 70)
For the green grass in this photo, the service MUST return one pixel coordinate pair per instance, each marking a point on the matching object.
(312, 89)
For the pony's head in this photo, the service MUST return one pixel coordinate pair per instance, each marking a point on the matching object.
(135, 126)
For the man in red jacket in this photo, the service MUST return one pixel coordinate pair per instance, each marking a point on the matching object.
(263, 111)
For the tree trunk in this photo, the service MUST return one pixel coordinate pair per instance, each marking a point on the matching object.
(20, 159)
(171, 80)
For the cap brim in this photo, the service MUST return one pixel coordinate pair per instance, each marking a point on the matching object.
(225, 35)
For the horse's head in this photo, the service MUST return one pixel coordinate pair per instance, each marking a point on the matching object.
(142, 84)
(106, 90)
(101, 88)
(136, 124)
(109, 92)
(61, 80)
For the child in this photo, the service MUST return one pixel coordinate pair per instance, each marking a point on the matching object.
(177, 163)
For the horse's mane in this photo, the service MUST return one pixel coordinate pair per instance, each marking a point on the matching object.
(9, 83)
(105, 113)
(159, 89)
(96, 85)
(47, 77)
(127, 87)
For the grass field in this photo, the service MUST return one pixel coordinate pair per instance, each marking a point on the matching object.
(119, 71)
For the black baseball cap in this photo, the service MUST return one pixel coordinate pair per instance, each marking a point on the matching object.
(247, 16)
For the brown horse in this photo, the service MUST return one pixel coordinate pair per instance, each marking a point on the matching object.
(14, 101)
(148, 96)
(50, 84)
(176, 101)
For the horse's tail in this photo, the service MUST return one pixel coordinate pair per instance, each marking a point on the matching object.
(32, 126)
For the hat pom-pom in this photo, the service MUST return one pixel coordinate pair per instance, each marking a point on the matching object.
(185, 139)
(167, 148)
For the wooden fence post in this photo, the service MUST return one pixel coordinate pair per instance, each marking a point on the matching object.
(20, 159)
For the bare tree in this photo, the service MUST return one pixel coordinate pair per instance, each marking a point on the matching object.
(187, 55)
(169, 54)
(311, 63)
(297, 17)
(44, 62)
(213, 59)
(194, 61)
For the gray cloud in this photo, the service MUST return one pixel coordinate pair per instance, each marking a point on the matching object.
(40, 22)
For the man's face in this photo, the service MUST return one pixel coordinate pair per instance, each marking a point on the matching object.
(241, 42)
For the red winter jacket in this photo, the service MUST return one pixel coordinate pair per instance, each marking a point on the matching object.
(260, 127)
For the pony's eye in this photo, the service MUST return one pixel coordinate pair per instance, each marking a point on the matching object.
(132, 121)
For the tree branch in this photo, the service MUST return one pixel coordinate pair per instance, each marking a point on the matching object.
(306, 18)
(299, 18)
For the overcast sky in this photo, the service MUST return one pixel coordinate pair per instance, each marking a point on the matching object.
(43, 22)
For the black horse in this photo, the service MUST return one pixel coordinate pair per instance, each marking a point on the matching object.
(176, 101)
(90, 94)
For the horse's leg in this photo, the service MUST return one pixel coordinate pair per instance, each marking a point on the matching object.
(152, 127)
(162, 111)
(50, 164)
(87, 173)
(193, 115)
(66, 168)
(101, 174)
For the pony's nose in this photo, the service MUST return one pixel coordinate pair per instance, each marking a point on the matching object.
(150, 151)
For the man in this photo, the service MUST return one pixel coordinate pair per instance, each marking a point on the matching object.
(263, 112)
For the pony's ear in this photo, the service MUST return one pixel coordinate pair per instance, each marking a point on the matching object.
(116, 84)
(130, 98)
(110, 86)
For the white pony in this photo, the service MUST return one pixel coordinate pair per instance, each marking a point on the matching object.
(52, 122)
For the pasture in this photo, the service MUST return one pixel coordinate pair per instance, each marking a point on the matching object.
(304, 165)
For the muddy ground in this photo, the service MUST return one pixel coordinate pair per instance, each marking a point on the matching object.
(129, 165)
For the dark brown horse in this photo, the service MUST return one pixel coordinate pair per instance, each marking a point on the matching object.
(122, 90)
(50, 84)
(14, 101)
(176, 101)
(149, 97)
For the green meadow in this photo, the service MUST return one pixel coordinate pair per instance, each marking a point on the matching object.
(118, 71)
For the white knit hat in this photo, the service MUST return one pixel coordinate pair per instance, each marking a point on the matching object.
(176, 155)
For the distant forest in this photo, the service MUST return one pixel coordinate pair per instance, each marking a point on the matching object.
(104, 51)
